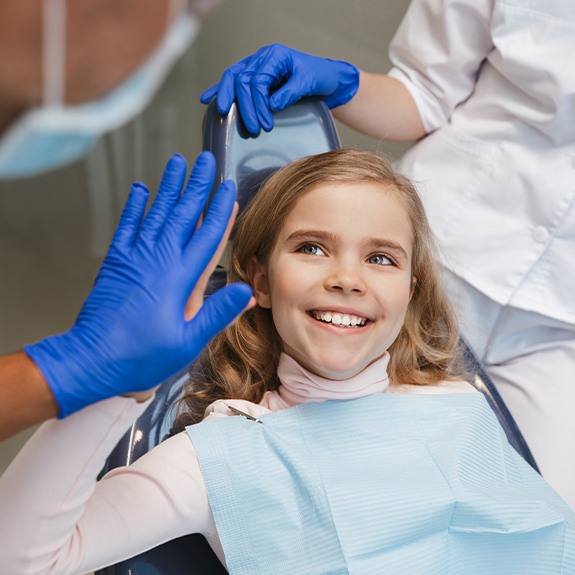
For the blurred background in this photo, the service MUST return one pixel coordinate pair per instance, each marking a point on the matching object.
(96, 94)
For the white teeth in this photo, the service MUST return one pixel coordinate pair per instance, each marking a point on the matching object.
(340, 319)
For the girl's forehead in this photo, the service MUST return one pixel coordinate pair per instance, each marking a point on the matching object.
(380, 196)
(352, 187)
(368, 207)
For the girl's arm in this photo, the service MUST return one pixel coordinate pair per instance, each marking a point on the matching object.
(57, 519)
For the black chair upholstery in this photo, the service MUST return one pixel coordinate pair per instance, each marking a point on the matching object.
(303, 129)
(478, 377)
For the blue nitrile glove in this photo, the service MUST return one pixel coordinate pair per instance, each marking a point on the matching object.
(131, 333)
(252, 81)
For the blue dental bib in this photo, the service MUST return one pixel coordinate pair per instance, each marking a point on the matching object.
(398, 484)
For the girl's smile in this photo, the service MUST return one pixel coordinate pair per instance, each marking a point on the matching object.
(338, 279)
(340, 318)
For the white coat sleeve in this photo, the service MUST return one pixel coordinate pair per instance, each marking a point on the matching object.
(437, 53)
(57, 519)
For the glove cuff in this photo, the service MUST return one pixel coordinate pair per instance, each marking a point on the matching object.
(57, 358)
(348, 77)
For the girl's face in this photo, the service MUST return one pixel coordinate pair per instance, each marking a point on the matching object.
(338, 279)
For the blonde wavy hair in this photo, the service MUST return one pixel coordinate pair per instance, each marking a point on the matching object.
(241, 362)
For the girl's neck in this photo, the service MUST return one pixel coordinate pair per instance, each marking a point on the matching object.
(298, 385)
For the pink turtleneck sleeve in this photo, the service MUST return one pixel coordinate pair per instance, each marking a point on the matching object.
(56, 518)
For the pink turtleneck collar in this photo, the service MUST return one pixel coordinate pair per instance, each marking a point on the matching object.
(298, 385)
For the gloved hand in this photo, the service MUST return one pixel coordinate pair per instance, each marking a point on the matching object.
(131, 333)
(252, 81)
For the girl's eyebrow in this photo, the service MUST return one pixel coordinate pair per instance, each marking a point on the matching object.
(384, 244)
(369, 243)
(301, 235)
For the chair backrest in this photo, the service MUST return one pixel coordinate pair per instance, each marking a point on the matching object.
(300, 130)
(479, 378)
(304, 129)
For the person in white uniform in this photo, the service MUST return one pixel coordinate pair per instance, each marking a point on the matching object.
(487, 88)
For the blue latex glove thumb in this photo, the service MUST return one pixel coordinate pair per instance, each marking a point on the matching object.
(131, 333)
(276, 77)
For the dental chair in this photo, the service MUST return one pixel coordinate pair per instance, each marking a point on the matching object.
(300, 130)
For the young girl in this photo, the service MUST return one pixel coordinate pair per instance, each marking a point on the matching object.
(422, 339)
(358, 448)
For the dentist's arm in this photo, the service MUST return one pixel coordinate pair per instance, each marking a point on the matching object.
(145, 318)
(25, 398)
(382, 108)
(276, 77)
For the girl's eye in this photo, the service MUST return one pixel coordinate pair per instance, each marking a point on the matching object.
(380, 260)
(312, 250)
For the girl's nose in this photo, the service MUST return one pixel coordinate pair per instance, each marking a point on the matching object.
(345, 279)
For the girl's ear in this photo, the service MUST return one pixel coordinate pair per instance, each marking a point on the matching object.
(259, 281)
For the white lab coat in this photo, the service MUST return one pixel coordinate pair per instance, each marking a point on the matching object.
(494, 81)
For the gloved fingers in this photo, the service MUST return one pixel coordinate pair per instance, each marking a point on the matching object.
(187, 211)
(245, 102)
(168, 193)
(269, 66)
(207, 95)
(194, 247)
(201, 178)
(196, 298)
(203, 243)
(226, 93)
(131, 217)
(224, 90)
(217, 312)
(249, 82)
(236, 83)
(262, 107)
(182, 226)
(306, 78)
(290, 93)
(295, 87)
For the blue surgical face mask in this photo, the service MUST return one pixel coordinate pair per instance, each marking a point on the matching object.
(54, 136)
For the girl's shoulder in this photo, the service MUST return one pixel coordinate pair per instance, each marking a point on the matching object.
(442, 387)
